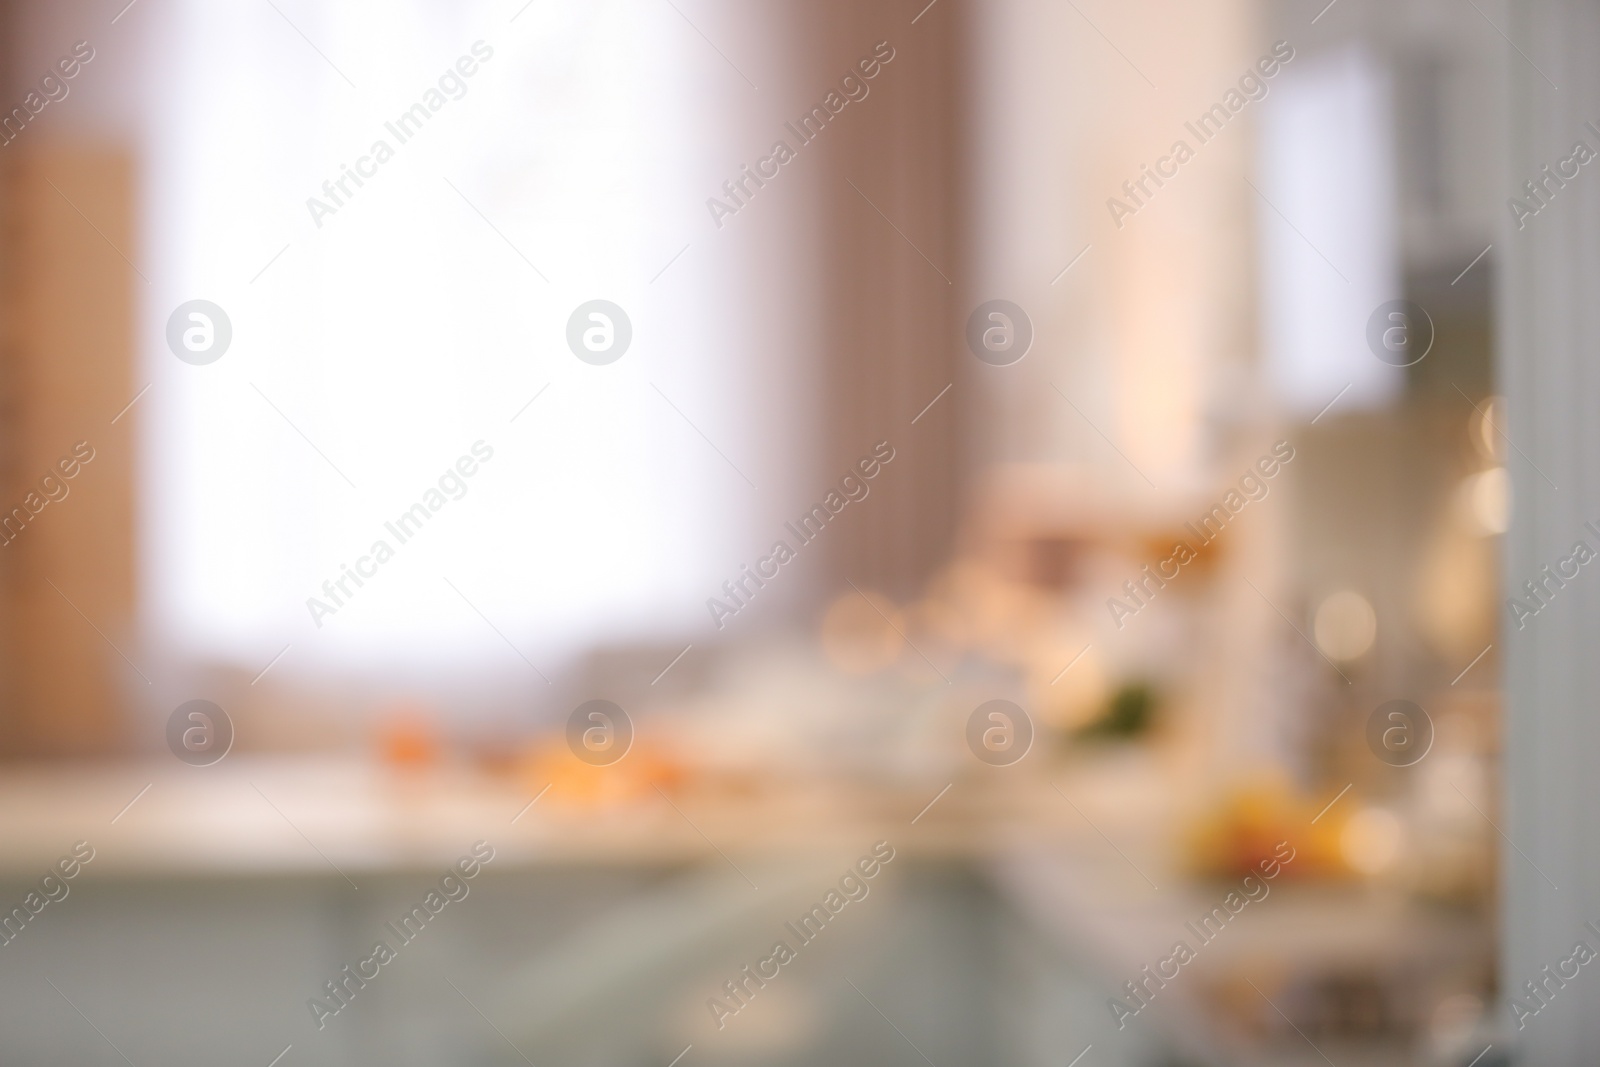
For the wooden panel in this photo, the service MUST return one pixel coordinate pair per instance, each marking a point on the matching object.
(69, 566)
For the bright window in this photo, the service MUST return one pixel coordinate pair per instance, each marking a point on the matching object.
(413, 322)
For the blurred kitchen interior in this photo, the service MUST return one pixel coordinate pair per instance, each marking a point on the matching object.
(1175, 742)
